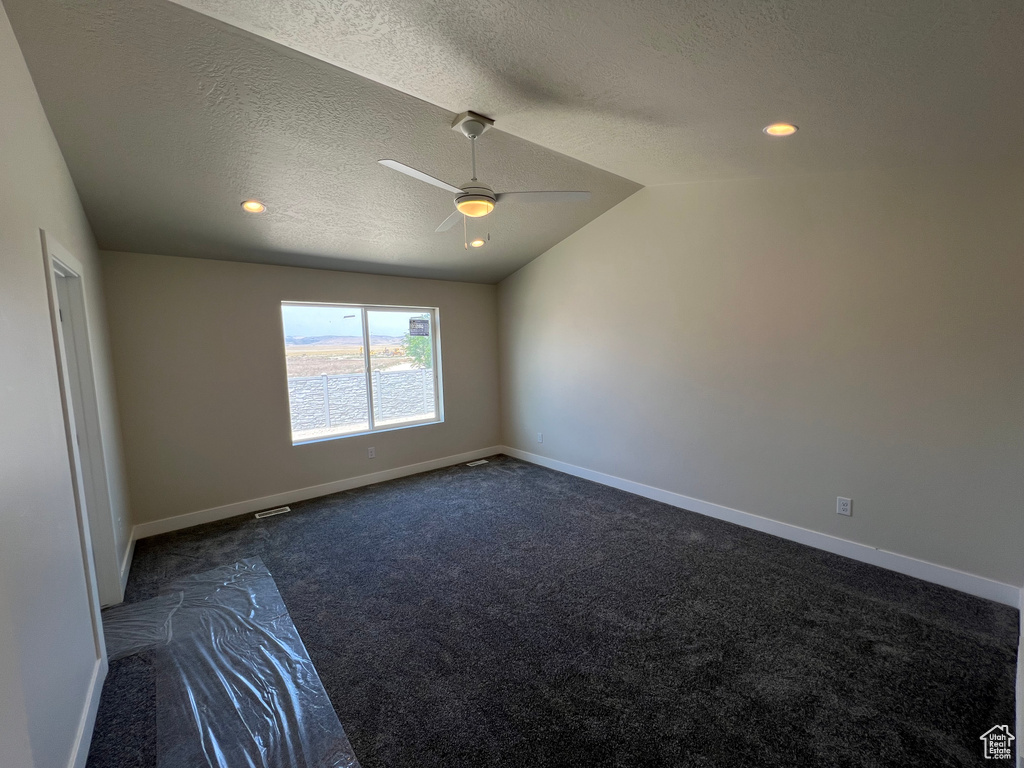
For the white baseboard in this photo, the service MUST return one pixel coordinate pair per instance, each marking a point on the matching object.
(83, 738)
(921, 569)
(156, 527)
(910, 566)
(126, 561)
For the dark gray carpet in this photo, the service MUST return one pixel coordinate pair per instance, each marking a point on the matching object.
(508, 615)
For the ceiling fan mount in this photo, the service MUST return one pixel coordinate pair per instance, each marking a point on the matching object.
(474, 198)
(471, 125)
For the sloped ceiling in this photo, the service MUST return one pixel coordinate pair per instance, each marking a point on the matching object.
(170, 113)
(168, 119)
(668, 91)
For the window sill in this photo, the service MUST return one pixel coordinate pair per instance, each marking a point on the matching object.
(363, 433)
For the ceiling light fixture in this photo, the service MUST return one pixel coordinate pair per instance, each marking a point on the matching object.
(780, 129)
(253, 206)
(477, 243)
(475, 205)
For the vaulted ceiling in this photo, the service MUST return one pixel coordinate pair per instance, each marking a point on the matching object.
(668, 91)
(171, 113)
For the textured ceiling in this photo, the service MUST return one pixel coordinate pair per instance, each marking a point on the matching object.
(168, 119)
(170, 112)
(664, 91)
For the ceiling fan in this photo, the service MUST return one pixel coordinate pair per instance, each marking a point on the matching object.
(474, 198)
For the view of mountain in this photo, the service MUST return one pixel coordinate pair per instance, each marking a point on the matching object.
(340, 341)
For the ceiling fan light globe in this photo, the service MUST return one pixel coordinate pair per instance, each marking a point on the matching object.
(780, 129)
(475, 207)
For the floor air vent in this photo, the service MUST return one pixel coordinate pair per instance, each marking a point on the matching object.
(477, 463)
(272, 512)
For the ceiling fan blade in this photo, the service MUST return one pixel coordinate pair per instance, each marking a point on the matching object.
(403, 168)
(448, 223)
(542, 197)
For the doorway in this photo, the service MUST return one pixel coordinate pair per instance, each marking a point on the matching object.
(97, 528)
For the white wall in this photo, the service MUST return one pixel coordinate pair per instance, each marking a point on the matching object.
(199, 357)
(47, 656)
(768, 345)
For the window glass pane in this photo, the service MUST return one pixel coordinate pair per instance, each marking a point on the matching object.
(402, 365)
(326, 370)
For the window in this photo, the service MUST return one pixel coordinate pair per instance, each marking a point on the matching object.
(355, 369)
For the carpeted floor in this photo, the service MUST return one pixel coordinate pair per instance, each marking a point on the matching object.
(507, 615)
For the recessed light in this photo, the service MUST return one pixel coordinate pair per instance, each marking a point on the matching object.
(254, 206)
(780, 129)
(477, 243)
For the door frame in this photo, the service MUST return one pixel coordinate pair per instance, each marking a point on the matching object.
(66, 293)
(56, 257)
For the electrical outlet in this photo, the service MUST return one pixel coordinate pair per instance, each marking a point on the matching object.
(371, 452)
(540, 437)
(844, 506)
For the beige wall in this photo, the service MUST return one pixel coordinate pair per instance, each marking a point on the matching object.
(17, 749)
(47, 656)
(768, 345)
(200, 368)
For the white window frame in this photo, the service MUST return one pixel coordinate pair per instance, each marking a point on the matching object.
(435, 337)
